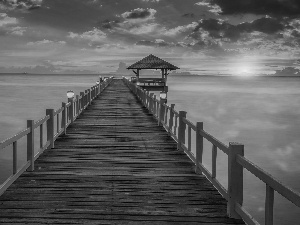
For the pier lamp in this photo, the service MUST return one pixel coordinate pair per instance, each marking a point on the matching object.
(97, 82)
(163, 96)
(70, 94)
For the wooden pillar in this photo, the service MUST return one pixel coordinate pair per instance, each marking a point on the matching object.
(171, 118)
(64, 118)
(181, 130)
(199, 147)
(50, 127)
(77, 105)
(235, 179)
(151, 103)
(166, 75)
(30, 145)
(161, 112)
(71, 110)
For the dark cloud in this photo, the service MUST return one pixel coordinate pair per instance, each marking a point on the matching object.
(21, 4)
(189, 15)
(221, 29)
(260, 7)
(108, 24)
(288, 71)
(137, 14)
(265, 25)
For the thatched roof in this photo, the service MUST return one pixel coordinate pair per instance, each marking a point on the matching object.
(152, 62)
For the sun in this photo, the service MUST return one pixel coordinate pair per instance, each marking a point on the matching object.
(243, 71)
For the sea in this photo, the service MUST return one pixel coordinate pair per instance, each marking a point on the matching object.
(262, 113)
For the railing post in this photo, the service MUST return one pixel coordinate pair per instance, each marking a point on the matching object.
(269, 205)
(161, 112)
(171, 117)
(15, 157)
(82, 100)
(151, 103)
(199, 147)
(181, 130)
(85, 98)
(77, 105)
(71, 109)
(154, 106)
(147, 100)
(90, 96)
(235, 179)
(30, 145)
(50, 127)
(63, 118)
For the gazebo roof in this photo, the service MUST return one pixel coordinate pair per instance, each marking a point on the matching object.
(152, 62)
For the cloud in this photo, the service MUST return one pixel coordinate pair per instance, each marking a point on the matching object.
(95, 35)
(20, 4)
(220, 29)
(288, 71)
(19, 31)
(45, 42)
(156, 43)
(139, 13)
(213, 8)
(258, 7)
(150, 0)
(108, 24)
(8, 25)
(189, 15)
(6, 20)
(181, 29)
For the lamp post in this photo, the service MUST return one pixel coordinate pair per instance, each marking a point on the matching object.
(97, 82)
(70, 95)
(163, 96)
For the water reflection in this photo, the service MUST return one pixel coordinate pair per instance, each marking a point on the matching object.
(262, 113)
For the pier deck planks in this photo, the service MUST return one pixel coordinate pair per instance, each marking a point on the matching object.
(114, 166)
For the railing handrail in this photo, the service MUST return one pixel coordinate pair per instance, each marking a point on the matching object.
(235, 152)
(14, 138)
(75, 106)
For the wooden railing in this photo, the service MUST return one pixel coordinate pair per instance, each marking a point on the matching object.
(151, 81)
(68, 113)
(179, 127)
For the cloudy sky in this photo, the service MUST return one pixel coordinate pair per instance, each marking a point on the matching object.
(201, 36)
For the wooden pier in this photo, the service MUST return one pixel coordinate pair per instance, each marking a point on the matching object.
(115, 154)
(115, 165)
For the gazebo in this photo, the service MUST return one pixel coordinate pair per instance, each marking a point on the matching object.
(153, 62)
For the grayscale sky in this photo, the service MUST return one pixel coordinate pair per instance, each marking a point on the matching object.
(229, 36)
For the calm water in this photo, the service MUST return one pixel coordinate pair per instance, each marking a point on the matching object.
(261, 113)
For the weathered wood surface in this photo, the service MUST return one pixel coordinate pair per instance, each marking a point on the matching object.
(114, 166)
